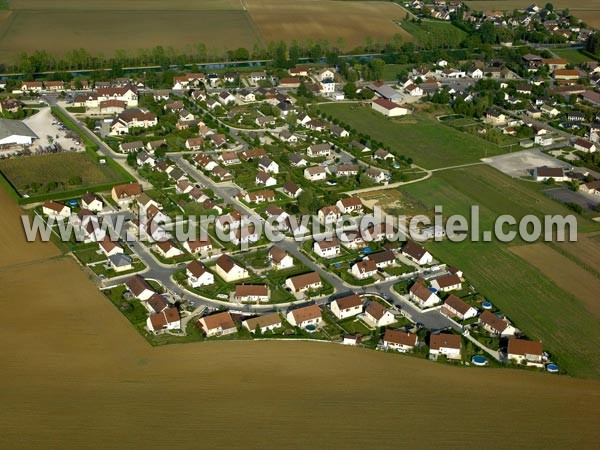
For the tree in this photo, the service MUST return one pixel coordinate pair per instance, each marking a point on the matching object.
(549, 7)
(306, 200)
(350, 90)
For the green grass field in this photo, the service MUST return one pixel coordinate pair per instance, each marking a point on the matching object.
(434, 34)
(418, 136)
(572, 55)
(531, 300)
(36, 175)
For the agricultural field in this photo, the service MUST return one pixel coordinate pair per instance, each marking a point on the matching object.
(536, 303)
(119, 5)
(346, 24)
(567, 274)
(417, 136)
(45, 174)
(76, 367)
(574, 56)
(129, 30)
(219, 24)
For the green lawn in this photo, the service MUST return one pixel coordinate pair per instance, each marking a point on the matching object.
(574, 56)
(391, 71)
(418, 136)
(535, 304)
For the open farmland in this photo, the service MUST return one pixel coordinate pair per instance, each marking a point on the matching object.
(585, 251)
(131, 5)
(31, 175)
(417, 136)
(75, 374)
(351, 22)
(64, 25)
(128, 30)
(564, 272)
(530, 298)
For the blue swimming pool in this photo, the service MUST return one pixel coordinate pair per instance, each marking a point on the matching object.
(486, 305)
(479, 360)
(553, 368)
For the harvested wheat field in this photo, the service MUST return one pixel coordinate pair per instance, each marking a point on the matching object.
(586, 250)
(351, 22)
(60, 31)
(131, 5)
(566, 273)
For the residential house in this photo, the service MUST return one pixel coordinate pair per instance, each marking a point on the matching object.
(494, 117)
(377, 315)
(422, 295)
(316, 173)
(198, 275)
(120, 262)
(167, 249)
(524, 351)
(144, 158)
(279, 258)
(139, 288)
(251, 293)
(496, 326)
(229, 270)
(109, 247)
(219, 324)
(455, 307)
(329, 215)
(348, 306)
(327, 248)
(304, 282)
(382, 259)
(347, 170)
(383, 155)
(92, 202)
(350, 205)
(56, 210)
(264, 179)
(364, 269)
(226, 98)
(292, 189)
(195, 246)
(195, 143)
(304, 316)
(376, 175)
(167, 319)
(268, 322)
(584, 145)
(319, 150)
(447, 283)
(265, 195)
(400, 341)
(298, 161)
(268, 165)
(445, 344)
(417, 253)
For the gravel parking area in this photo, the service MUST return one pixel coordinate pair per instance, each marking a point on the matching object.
(519, 164)
(44, 124)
